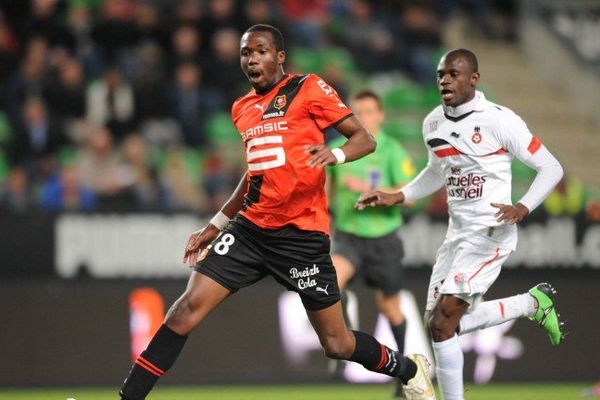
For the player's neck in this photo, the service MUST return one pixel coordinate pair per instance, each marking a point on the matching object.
(263, 91)
(463, 108)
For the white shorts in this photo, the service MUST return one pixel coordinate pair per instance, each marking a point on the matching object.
(465, 270)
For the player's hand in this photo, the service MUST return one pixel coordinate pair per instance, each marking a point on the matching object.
(321, 156)
(377, 198)
(197, 245)
(509, 213)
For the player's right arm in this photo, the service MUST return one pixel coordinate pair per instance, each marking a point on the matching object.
(429, 180)
(197, 245)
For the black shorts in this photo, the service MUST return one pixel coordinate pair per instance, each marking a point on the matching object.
(245, 253)
(377, 260)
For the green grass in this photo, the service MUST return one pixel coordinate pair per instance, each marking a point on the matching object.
(345, 392)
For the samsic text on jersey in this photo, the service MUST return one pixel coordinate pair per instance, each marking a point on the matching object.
(276, 127)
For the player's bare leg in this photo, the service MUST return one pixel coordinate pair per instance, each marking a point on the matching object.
(341, 343)
(443, 322)
(201, 296)
(344, 269)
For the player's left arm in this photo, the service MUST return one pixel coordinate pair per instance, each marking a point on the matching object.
(328, 110)
(530, 150)
(359, 144)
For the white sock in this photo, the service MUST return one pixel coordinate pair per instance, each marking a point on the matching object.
(495, 312)
(449, 362)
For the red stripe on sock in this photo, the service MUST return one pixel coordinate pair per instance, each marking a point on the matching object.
(501, 309)
(147, 365)
(383, 359)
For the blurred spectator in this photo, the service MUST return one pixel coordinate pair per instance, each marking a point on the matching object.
(148, 24)
(102, 170)
(219, 180)
(8, 51)
(65, 95)
(223, 66)
(16, 197)
(370, 41)
(36, 136)
(307, 19)
(64, 192)
(43, 21)
(261, 12)
(191, 102)
(111, 102)
(114, 32)
(186, 45)
(28, 80)
(221, 14)
(188, 12)
(80, 24)
(182, 191)
(147, 192)
(420, 28)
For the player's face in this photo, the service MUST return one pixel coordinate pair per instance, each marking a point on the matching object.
(456, 81)
(260, 60)
(368, 113)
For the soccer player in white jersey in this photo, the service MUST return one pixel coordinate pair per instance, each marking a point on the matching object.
(471, 142)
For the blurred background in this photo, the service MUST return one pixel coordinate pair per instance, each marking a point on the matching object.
(116, 143)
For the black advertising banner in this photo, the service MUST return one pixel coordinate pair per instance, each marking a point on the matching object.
(82, 332)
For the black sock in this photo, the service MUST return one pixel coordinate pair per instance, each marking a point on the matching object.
(160, 355)
(399, 332)
(377, 357)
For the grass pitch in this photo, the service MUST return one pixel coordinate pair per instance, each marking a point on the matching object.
(332, 392)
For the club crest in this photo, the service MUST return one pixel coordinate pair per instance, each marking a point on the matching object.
(280, 102)
(477, 138)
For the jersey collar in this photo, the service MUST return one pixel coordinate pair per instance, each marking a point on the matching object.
(273, 86)
(477, 103)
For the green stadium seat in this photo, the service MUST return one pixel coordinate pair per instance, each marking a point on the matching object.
(220, 129)
(337, 57)
(3, 167)
(6, 131)
(404, 130)
(405, 96)
(306, 60)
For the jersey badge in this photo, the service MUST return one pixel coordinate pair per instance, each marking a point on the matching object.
(477, 138)
(280, 102)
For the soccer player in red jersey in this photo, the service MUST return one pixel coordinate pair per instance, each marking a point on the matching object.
(276, 221)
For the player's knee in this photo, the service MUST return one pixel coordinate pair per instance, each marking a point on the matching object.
(440, 327)
(182, 309)
(337, 347)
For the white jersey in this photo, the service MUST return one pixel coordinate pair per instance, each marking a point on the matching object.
(473, 153)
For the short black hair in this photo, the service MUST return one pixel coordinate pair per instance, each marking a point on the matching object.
(368, 94)
(276, 33)
(468, 55)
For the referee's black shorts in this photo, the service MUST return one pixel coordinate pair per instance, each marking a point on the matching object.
(244, 253)
(376, 260)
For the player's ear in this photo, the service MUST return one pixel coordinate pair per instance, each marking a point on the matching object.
(281, 57)
(474, 78)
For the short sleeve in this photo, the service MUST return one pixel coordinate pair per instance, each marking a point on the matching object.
(324, 103)
(515, 137)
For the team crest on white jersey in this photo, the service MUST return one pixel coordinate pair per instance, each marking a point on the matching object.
(477, 138)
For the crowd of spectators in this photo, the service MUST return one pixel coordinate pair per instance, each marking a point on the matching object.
(123, 105)
(119, 105)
